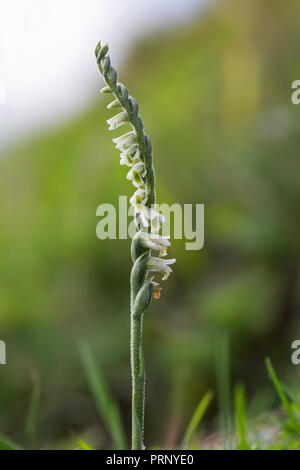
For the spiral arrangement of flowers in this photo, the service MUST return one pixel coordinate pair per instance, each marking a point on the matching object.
(136, 153)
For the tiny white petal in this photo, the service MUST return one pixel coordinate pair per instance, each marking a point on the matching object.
(117, 120)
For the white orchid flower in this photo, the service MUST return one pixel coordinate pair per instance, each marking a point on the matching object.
(139, 198)
(161, 266)
(156, 242)
(133, 146)
(118, 120)
(147, 214)
(137, 173)
(133, 151)
(130, 156)
(125, 160)
(126, 140)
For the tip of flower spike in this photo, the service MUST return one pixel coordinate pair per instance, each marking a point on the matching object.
(98, 47)
(101, 52)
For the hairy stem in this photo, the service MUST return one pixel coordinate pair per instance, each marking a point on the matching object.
(138, 382)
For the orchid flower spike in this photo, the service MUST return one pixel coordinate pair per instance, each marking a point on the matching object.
(136, 153)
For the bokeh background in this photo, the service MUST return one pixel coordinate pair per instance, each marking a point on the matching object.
(213, 80)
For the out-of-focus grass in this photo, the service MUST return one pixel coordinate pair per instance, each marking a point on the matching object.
(196, 419)
(241, 418)
(33, 410)
(281, 433)
(107, 408)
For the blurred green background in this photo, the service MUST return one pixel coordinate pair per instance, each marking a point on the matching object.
(215, 96)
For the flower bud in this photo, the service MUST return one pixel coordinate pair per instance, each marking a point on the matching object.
(114, 104)
(143, 299)
(101, 53)
(139, 272)
(105, 90)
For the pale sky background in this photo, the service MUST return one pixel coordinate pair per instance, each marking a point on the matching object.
(47, 62)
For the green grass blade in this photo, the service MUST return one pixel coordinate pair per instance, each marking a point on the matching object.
(222, 366)
(83, 445)
(240, 417)
(197, 418)
(7, 444)
(34, 404)
(106, 406)
(292, 395)
(279, 388)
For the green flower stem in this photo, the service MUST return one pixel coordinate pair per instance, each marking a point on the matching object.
(138, 382)
(141, 293)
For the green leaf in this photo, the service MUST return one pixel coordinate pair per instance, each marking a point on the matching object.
(7, 444)
(197, 418)
(222, 365)
(31, 420)
(83, 445)
(286, 404)
(241, 418)
(107, 408)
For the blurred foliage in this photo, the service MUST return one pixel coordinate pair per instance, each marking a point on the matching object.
(215, 99)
